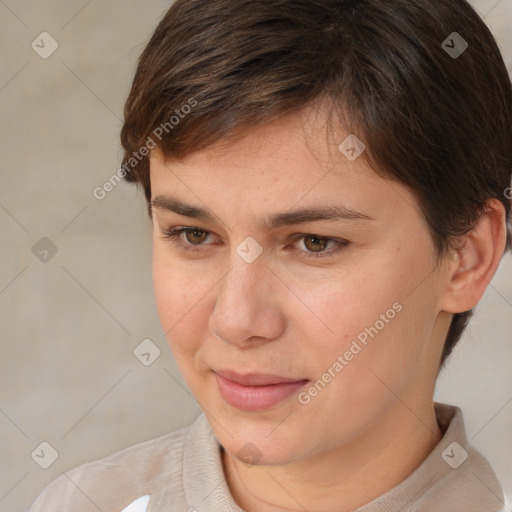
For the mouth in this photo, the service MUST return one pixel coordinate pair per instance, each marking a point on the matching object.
(255, 391)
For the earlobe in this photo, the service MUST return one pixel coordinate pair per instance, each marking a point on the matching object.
(474, 263)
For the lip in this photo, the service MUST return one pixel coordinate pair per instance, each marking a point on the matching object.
(255, 379)
(255, 391)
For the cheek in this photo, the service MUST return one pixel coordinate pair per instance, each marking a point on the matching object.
(180, 301)
(351, 302)
(370, 314)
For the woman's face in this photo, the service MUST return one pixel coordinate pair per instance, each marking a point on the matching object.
(345, 309)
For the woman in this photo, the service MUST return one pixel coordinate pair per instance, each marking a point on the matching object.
(327, 188)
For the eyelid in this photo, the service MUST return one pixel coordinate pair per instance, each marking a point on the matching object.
(339, 245)
(173, 236)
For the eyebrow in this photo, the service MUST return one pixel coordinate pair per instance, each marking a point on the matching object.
(274, 221)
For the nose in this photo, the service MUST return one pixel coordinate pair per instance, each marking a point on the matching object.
(247, 310)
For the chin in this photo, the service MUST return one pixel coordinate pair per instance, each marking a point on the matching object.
(253, 455)
(251, 444)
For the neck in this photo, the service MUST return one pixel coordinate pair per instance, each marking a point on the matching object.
(342, 479)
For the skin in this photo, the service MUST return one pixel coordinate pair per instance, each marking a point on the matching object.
(286, 314)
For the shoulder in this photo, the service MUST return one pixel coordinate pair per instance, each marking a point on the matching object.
(462, 478)
(111, 483)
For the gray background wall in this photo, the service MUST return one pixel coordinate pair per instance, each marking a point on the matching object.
(70, 324)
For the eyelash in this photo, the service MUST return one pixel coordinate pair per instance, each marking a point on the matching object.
(173, 237)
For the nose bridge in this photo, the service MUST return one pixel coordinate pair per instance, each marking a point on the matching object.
(244, 281)
(242, 307)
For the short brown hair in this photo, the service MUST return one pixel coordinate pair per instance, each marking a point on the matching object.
(434, 120)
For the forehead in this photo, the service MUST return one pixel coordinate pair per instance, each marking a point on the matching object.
(291, 160)
(295, 146)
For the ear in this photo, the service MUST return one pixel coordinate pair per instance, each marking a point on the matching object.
(473, 264)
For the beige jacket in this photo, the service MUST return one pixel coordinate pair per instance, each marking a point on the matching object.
(182, 472)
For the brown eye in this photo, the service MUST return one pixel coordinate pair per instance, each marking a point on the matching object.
(315, 243)
(196, 236)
